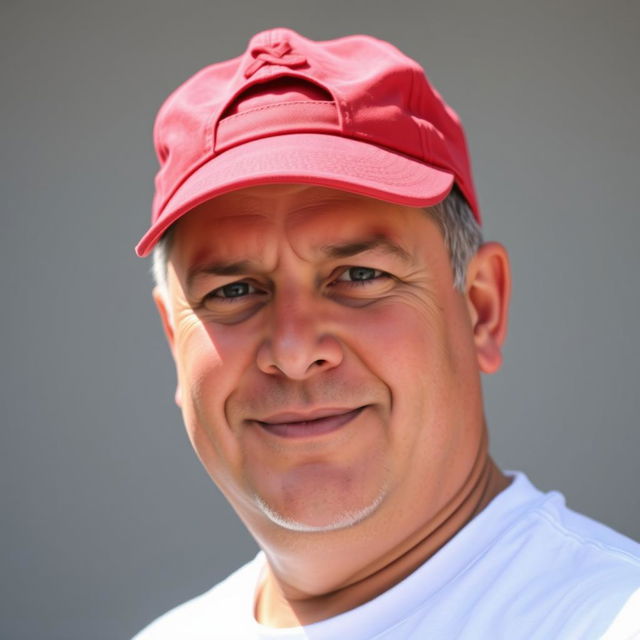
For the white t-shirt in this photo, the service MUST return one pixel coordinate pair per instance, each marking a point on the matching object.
(526, 567)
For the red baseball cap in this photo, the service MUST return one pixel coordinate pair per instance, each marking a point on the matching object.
(354, 114)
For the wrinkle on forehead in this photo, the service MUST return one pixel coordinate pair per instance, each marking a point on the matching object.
(277, 199)
(267, 203)
(287, 200)
(256, 221)
(225, 235)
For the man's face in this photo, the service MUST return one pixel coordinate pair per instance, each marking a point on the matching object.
(327, 369)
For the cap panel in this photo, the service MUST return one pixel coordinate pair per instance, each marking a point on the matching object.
(181, 129)
(383, 110)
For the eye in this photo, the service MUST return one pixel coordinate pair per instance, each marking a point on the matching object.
(358, 275)
(233, 290)
(234, 302)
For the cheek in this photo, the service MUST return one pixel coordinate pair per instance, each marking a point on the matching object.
(401, 337)
(209, 367)
(200, 365)
(197, 355)
(212, 363)
(420, 351)
(207, 352)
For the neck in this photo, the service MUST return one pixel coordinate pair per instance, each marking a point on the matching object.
(279, 604)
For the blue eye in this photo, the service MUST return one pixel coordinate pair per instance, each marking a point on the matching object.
(233, 290)
(360, 274)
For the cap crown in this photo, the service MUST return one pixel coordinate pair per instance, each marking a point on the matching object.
(378, 95)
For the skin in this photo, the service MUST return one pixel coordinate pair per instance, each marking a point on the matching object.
(334, 302)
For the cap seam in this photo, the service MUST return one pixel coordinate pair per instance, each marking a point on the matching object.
(328, 103)
(424, 142)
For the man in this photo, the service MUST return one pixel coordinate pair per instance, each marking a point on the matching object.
(329, 306)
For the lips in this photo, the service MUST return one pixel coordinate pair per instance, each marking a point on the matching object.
(302, 425)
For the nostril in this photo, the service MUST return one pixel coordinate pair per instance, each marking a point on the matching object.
(298, 353)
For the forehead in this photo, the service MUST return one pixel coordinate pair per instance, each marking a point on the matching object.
(308, 215)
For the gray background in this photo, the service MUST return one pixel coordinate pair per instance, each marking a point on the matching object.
(107, 517)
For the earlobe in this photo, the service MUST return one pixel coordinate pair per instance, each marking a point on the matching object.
(167, 324)
(488, 289)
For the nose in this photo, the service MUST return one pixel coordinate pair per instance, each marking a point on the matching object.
(298, 343)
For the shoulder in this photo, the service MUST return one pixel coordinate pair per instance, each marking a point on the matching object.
(227, 608)
(581, 542)
(578, 574)
(604, 566)
(553, 528)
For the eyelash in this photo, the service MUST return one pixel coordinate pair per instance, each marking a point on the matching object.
(231, 299)
(378, 274)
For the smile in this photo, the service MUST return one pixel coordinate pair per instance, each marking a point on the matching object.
(291, 425)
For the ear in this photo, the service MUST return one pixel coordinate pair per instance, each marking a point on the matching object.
(488, 289)
(162, 305)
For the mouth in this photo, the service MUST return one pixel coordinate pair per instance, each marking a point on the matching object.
(294, 425)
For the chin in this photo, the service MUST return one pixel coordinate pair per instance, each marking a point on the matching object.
(315, 522)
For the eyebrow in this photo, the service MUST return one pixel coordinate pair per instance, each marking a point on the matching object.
(382, 242)
(222, 268)
(334, 251)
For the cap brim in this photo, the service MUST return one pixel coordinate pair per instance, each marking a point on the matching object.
(307, 158)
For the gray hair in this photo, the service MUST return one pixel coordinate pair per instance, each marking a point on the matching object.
(461, 231)
(160, 260)
(462, 237)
